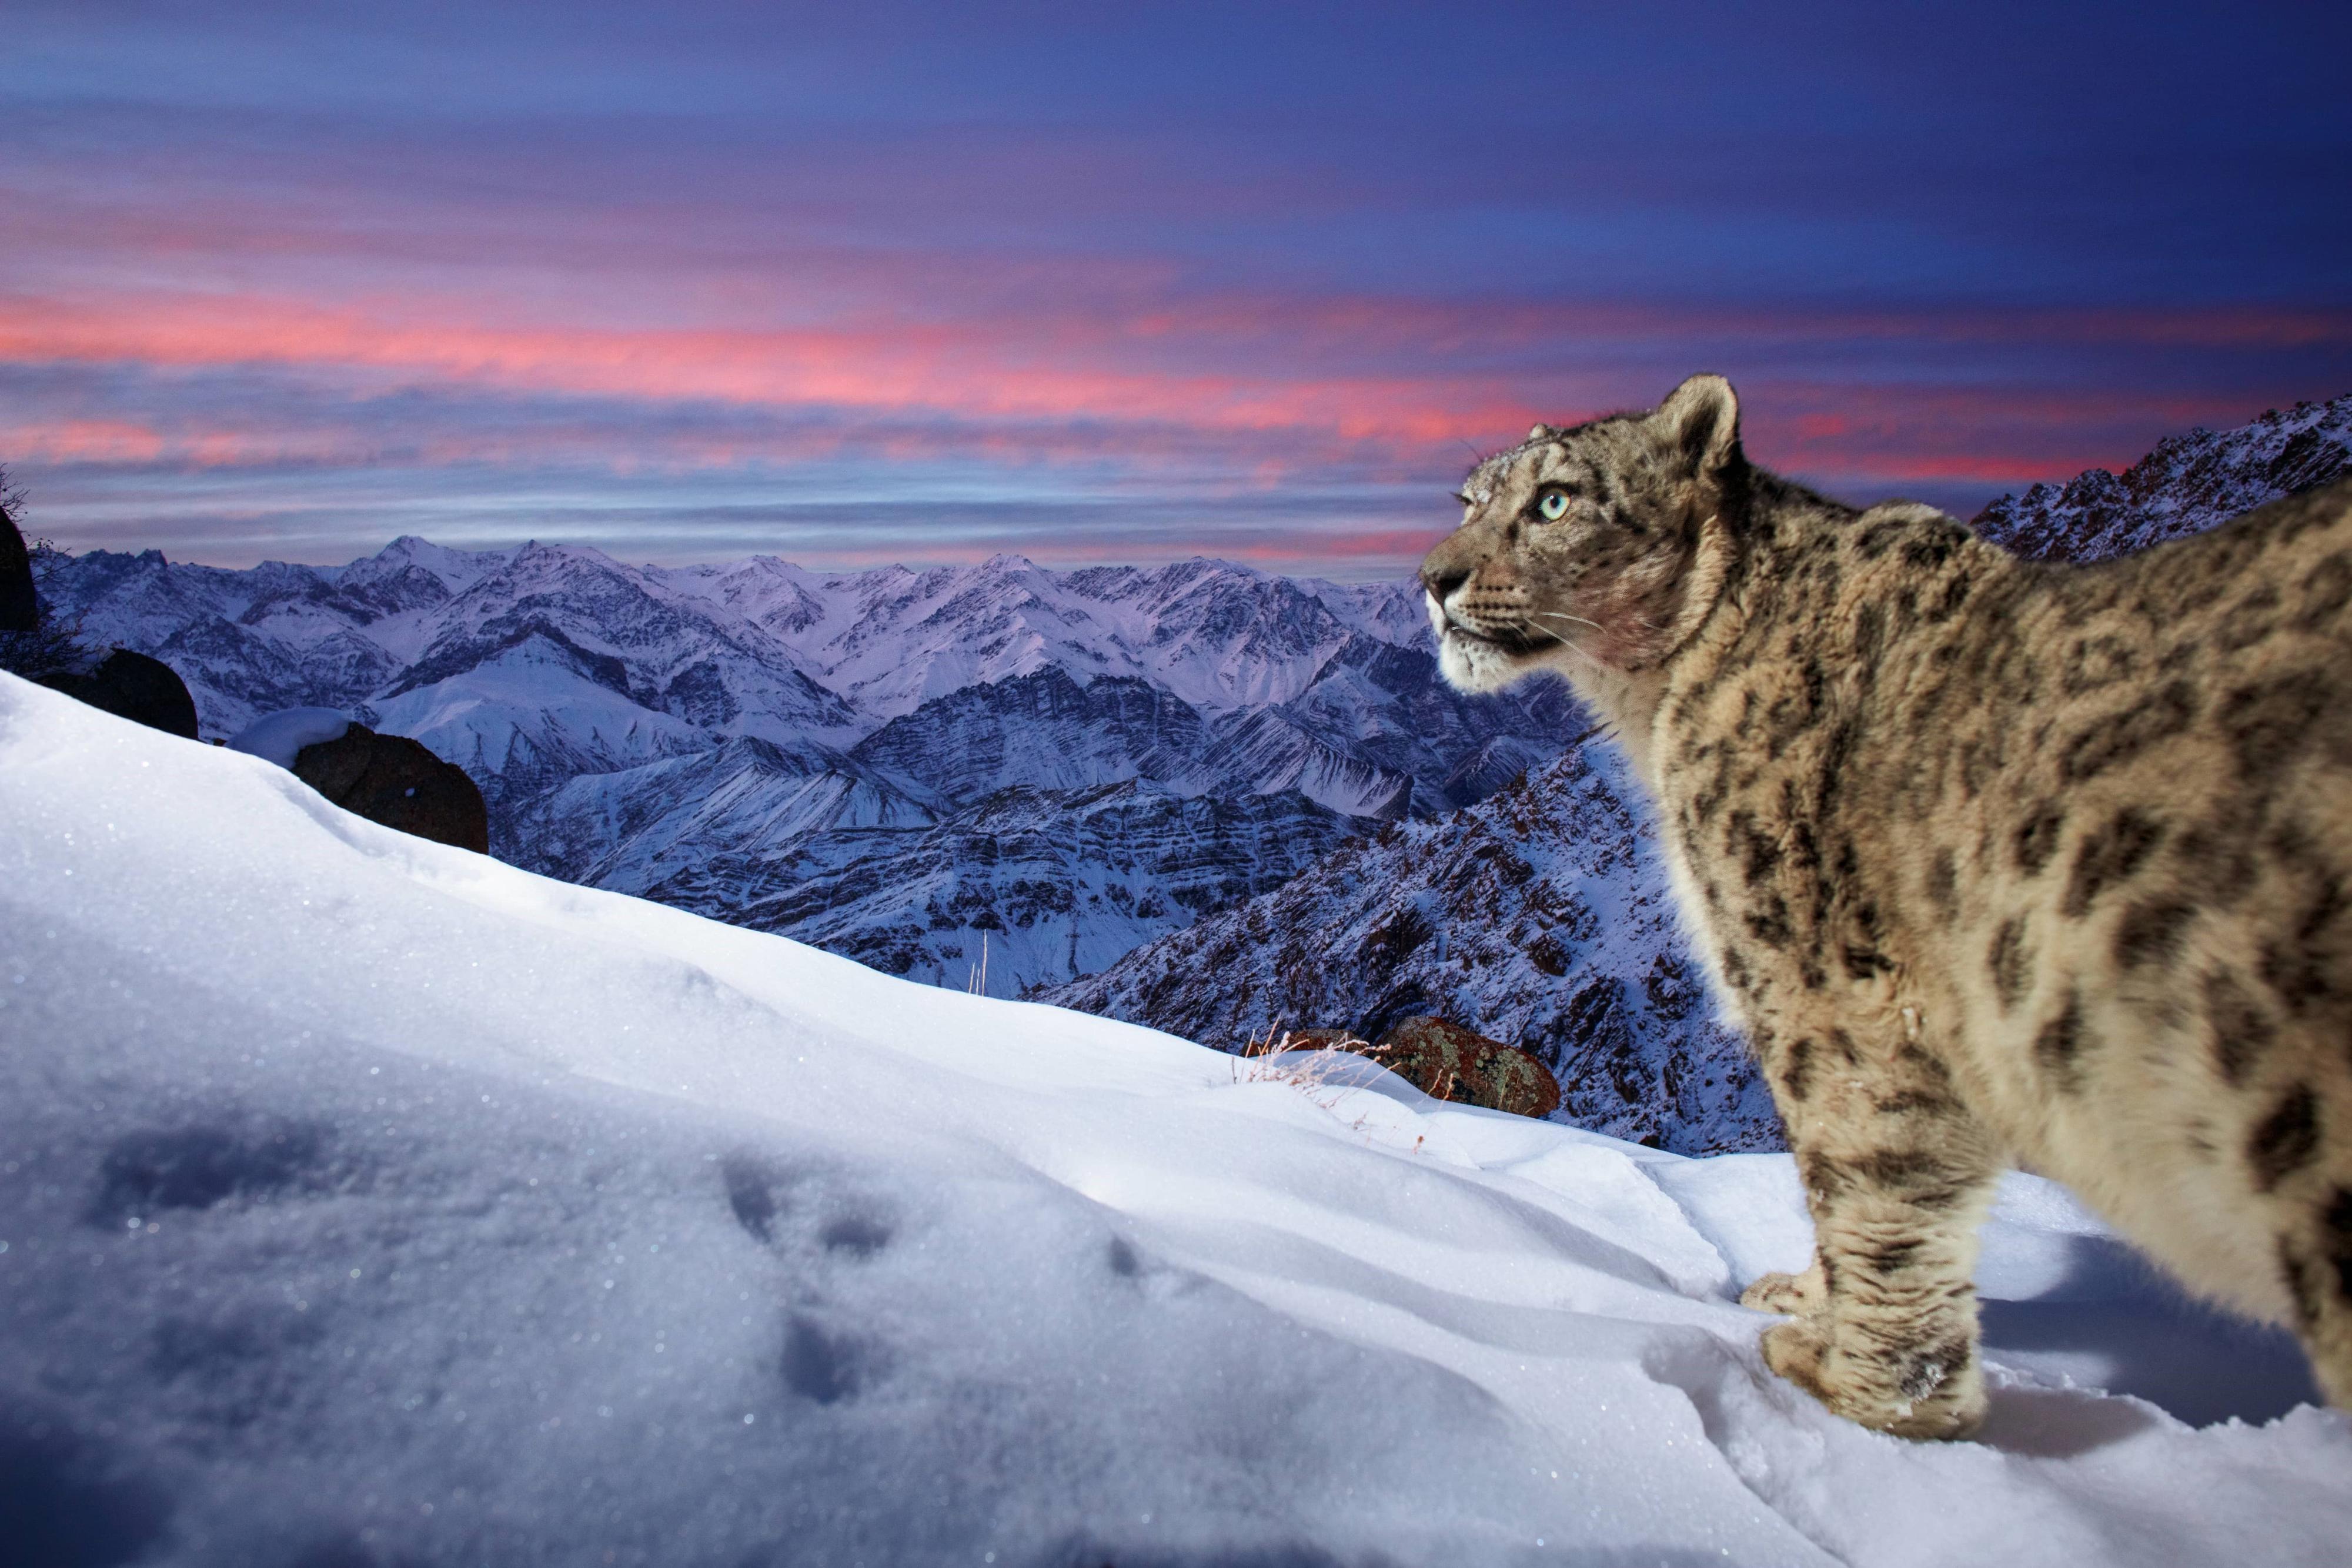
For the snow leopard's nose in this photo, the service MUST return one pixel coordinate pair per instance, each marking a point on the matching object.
(1444, 568)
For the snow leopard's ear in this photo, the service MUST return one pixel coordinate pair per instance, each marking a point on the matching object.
(1701, 419)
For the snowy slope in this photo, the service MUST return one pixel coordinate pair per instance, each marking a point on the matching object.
(369, 1202)
(2189, 483)
(1540, 916)
(529, 716)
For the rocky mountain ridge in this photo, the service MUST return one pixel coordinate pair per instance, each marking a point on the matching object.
(2187, 484)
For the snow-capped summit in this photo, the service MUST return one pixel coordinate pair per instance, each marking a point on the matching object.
(453, 569)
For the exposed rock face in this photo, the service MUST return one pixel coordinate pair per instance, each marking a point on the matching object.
(391, 780)
(136, 688)
(2189, 483)
(1450, 1062)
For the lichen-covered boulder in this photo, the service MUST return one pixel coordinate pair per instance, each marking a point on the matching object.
(1450, 1062)
(136, 688)
(391, 780)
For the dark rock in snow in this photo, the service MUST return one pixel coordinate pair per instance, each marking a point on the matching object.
(136, 688)
(391, 780)
(20, 607)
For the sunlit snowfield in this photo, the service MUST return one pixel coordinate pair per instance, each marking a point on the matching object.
(366, 1201)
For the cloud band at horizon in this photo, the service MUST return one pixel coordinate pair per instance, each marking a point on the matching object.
(932, 283)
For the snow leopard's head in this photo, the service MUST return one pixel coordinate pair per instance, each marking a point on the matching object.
(1583, 547)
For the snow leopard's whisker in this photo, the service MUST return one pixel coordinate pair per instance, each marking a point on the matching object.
(1579, 620)
(1563, 642)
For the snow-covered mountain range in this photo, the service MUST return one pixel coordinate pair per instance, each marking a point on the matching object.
(1541, 917)
(904, 767)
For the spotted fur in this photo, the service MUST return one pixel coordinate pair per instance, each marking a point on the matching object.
(1997, 862)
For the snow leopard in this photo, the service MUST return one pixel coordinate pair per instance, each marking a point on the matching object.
(1996, 863)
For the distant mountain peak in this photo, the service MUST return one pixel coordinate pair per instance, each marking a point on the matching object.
(2185, 484)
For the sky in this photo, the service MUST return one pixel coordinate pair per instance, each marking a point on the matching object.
(1120, 283)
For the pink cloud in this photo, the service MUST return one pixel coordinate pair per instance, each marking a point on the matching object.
(1121, 370)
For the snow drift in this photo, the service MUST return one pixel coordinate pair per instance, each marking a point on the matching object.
(366, 1201)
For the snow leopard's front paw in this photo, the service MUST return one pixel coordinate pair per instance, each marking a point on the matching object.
(1796, 1351)
(1936, 1396)
(1797, 1295)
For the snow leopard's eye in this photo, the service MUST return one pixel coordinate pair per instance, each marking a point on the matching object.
(1552, 505)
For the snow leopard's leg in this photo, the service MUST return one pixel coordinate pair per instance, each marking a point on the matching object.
(2316, 1257)
(1897, 1173)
